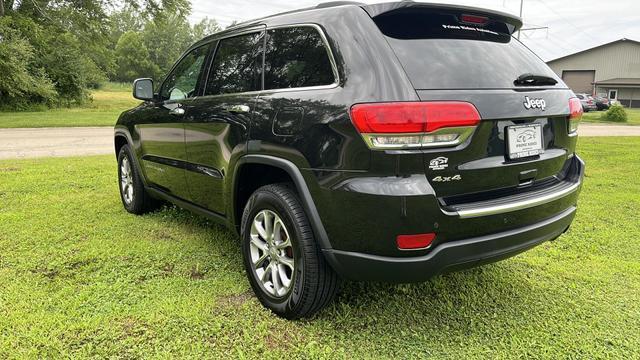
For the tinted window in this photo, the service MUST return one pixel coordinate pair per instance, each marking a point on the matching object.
(183, 80)
(237, 65)
(426, 24)
(296, 57)
(439, 52)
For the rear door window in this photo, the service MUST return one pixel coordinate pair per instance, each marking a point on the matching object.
(296, 57)
(237, 66)
(439, 51)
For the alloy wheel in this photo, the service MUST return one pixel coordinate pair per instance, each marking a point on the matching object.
(272, 253)
(126, 180)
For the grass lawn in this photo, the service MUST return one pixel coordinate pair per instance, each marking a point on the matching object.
(595, 117)
(79, 277)
(108, 103)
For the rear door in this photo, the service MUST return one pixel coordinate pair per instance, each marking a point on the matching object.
(217, 127)
(451, 55)
(300, 81)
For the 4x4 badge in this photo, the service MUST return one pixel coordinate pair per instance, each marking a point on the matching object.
(439, 163)
(447, 178)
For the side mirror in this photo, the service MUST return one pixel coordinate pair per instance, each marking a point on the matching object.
(143, 89)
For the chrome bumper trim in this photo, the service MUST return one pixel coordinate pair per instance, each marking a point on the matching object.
(519, 205)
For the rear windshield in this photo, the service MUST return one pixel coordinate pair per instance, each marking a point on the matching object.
(439, 51)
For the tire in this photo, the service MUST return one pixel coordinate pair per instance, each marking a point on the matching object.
(135, 198)
(312, 282)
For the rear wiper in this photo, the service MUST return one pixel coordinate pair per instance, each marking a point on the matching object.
(534, 80)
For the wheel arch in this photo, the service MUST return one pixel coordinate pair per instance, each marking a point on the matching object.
(122, 138)
(295, 176)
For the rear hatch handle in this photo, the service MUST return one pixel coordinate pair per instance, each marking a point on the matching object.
(534, 80)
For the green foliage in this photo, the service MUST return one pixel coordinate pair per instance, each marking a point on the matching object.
(616, 113)
(166, 38)
(633, 116)
(133, 58)
(71, 72)
(54, 51)
(22, 81)
(124, 20)
(56, 59)
(149, 48)
(205, 28)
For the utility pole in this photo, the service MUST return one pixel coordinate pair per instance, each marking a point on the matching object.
(521, 6)
(530, 28)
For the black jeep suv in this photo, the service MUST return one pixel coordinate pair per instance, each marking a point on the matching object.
(386, 142)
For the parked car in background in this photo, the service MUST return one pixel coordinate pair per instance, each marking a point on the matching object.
(345, 141)
(602, 102)
(587, 101)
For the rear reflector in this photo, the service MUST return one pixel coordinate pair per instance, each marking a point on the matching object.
(413, 124)
(415, 242)
(575, 114)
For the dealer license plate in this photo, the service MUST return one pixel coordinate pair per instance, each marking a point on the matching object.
(524, 141)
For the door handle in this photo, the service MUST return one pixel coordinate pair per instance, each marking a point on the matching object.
(177, 111)
(239, 109)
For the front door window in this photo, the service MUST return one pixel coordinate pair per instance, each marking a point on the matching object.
(613, 94)
(183, 80)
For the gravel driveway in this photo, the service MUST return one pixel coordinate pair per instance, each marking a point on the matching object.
(48, 142)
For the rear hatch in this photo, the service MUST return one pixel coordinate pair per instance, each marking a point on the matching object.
(458, 55)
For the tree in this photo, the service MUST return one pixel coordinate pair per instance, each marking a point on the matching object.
(66, 45)
(133, 58)
(69, 68)
(166, 38)
(204, 28)
(126, 19)
(21, 81)
(61, 48)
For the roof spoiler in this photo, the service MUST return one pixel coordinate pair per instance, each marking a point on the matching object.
(384, 8)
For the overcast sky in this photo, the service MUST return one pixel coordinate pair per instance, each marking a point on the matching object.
(574, 25)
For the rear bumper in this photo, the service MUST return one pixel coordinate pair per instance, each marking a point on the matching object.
(449, 256)
(514, 223)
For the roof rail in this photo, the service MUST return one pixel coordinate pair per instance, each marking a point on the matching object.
(337, 3)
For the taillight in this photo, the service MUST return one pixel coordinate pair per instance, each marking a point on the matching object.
(575, 114)
(401, 125)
